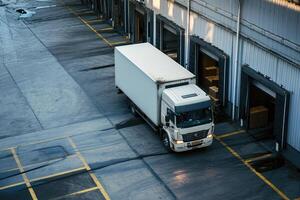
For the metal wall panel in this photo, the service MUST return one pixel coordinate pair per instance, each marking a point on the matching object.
(218, 37)
(258, 58)
(278, 17)
(168, 9)
(283, 74)
(271, 23)
(289, 77)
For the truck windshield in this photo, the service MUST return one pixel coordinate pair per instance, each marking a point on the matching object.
(194, 118)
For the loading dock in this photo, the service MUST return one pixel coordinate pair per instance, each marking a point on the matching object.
(170, 38)
(103, 8)
(210, 65)
(119, 15)
(264, 108)
(141, 23)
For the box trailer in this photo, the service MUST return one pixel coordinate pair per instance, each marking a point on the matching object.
(164, 93)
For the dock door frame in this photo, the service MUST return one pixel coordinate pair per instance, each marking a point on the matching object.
(281, 103)
(199, 45)
(134, 7)
(162, 22)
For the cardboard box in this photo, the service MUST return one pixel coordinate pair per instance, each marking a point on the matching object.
(213, 91)
(259, 117)
(216, 100)
(211, 81)
(210, 71)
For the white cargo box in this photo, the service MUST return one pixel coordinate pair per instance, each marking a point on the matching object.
(142, 71)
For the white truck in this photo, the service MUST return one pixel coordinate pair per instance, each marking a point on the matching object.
(164, 94)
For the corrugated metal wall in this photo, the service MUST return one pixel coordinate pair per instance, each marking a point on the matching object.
(279, 17)
(218, 37)
(289, 77)
(169, 10)
(272, 23)
(258, 58)
(283, 74)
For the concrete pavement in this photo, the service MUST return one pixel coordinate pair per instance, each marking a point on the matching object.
(76, 138)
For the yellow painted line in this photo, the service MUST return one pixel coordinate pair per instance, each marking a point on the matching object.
(231, 134)
(85, 12)
(8, 149)
(25, 178)
(33, 143)
(92, 175)
(11, 185)
(121, 42)
(297, 198)
(76, 193)
(262, 177)
(258, 158)
(39, 163)
(106, 29)
(94, 20)
(58, 174)
(90, 27)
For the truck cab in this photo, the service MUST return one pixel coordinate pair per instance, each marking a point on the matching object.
(186, 117)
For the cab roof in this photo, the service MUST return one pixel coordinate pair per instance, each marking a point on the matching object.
(187, 94)
(154, 63)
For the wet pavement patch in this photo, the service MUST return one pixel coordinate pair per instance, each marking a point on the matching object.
(45, 152)
(63, 185)
(272, 162)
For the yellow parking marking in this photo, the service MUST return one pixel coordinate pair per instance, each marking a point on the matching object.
(262, 177)
(94, 20)
(58, 174)
(231, 134)
(33, 143)
(82, 10)
(258, 158)
(92, 175)
(45, 177)
(77, 193)
(106, 29)
(25, 178)
(297, 198)
(118, 43)
(39, 163)
(12, 185)
(85, 12)
(90, 27)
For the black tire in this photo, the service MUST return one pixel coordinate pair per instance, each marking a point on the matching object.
(166, 141)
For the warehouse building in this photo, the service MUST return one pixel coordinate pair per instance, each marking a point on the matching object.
(245, 54)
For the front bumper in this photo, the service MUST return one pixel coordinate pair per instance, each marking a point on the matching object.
(197, 144)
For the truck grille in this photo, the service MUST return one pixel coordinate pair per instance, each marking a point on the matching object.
(195, 136)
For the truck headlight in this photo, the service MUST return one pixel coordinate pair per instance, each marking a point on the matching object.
(209, 136)
(178, 142)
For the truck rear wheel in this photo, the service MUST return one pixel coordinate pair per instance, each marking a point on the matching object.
(166, 141)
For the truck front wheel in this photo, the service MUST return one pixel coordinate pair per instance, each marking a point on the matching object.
(166, 141)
